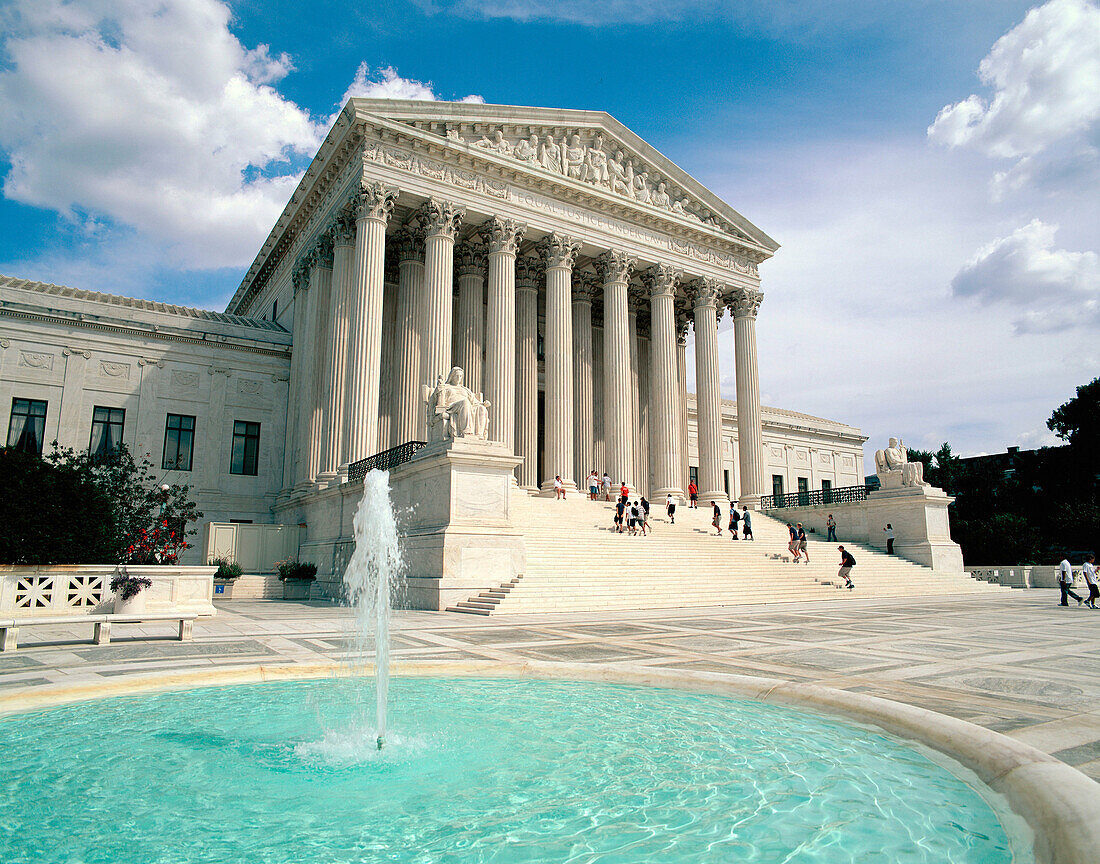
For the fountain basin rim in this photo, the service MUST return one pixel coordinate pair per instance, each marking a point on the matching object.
(1058, 802)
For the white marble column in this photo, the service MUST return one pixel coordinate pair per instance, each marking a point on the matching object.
(615, 268)
(560, 253)
(636, 472)
(664, 420)
(502, 238)
(441, 220)
(708, 392)
(299, 279)
(682, 323)
(527, 372)
(470, 325)
(387, 391)
(599, 418)
(333, 380)
(321, 281)
(374, 205)
(408, 411)
(584, 435)
(750, 436)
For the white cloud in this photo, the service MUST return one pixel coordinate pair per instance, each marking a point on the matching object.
(1045, 77)
(156, 117)
(1057, 289)
(387, 84)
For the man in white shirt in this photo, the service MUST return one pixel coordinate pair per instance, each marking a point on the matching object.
(1065, 583)
(1089, 569)
(593, 485)
(606, 486)
(670, 508)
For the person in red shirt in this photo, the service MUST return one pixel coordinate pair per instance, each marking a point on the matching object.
(624, 493)
(693, 494)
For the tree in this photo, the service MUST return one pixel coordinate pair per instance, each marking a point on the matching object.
(1078, 420)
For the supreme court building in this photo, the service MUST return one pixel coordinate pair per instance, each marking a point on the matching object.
(558, 259)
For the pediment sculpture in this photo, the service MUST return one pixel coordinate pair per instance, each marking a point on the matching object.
(894, 469)
(454, 410)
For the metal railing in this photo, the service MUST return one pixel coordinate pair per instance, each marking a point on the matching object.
(385, 460)
(815, 498)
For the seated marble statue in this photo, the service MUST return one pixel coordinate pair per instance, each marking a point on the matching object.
(894, 468)
(454, 410)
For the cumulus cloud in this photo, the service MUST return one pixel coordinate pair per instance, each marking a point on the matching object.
(1045, 77)
(154, 116)
(1056, 288)
(387, 84)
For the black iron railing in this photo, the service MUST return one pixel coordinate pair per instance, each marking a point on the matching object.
(816, 498)
(385, 460)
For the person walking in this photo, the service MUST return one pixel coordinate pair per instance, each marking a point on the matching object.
(593, 485)
(670, 508)
(559, 488)
(620, 511)
(735, 517)
(792, 542)
(889, 529)
(693, 495)
(717, 520)
(606, 486)
(624, 492)
(746, 525)
(635, 517)
(1065, 583)
(803, 544)
(1089, 569)
(645, 514)
(847, 562)
(830, 523)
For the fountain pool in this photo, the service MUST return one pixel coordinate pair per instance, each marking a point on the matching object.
(478, 770)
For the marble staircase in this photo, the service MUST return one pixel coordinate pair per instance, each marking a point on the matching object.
(577, 563)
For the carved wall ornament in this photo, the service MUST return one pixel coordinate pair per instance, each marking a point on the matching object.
(502, 235)
(746, 303)
(150, 361)
(300, 276)
(705, 291)
(615, 266)
(529, 273)
(559, 250)
(406, 161)
(584, 286)
(250, 386)
(322, 253)
(662, 280)
(114, 370)
(440, 217)
(81, 352)
(35, 360)
(343, 229)
(375, 200)
(469, 259)
(5, 343)
(184, 379)
(409, 247)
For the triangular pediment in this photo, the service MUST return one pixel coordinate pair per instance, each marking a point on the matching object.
(589, 148)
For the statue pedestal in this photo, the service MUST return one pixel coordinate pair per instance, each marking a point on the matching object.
(454, 501)
(921, 528)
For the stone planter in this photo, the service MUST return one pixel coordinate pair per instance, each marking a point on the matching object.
(296, 589)
(134, 606)
(223, 589)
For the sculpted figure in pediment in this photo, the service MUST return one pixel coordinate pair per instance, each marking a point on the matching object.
(575, 161)
(527, 149)
(550, 156)
(660, 197)
(497, 143)
(452, 135)
(621, 174)
(595, 167)
(641, 187)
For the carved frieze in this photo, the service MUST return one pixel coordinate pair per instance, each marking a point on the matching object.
(185, 380)
(36, 360)
(114, 370)
(396, 157)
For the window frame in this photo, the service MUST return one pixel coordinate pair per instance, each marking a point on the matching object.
(20, 443)
(242, 430)
(178, 430)
(108, 423)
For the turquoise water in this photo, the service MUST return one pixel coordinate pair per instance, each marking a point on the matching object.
(475, 771)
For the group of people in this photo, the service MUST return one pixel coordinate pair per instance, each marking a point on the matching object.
(799, 546)
(736, 517)
(631, 516)
(1065, 582)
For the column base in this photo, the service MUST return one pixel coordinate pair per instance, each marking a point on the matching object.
(677, 494)
(706, 497)
(326, 479)
(749, 502)
(547, 488)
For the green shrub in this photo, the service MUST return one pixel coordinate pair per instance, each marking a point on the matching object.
(227, 568)
(291, 569)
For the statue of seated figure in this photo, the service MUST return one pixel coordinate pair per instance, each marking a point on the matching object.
(894, 468)
(454, 410)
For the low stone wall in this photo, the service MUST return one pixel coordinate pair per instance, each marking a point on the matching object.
(84, 589)
(1024, 575)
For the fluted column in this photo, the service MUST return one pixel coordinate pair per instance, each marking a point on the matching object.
(387, 389)
(298, 352)
(333, 379)
(599, 418)
(527, 372)
(750, 438)
(636, 471)
(374, 205)
(615, 268)
(584, 434)
(502, 238)
(470, 326)
(408, 410)
(315, 396)
(441, 220)
(682, 323)
(560, 253)
(708, 390)
(306, 327)
(664, 422)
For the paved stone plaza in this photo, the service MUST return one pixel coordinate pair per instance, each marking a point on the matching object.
(1015, 664)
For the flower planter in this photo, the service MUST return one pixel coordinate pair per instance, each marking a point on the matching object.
(134, 606)
(296, 589)
(223, 589)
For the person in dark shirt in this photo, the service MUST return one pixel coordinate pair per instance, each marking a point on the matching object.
(620, 508)
(746, 526)
(735, 517)
(717, 520)
(847, 562)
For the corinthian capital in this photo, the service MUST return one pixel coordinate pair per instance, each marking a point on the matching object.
(375, 201)
(584, 286)
(470, 259)
(559, 250)
(343, 229)
(705, 291)
(746, 303)
(662, 280)
(502, 235)
(409, 247)
(440, 218)
(321, 254)
(615, 266)
(528, 273)
(299, 277)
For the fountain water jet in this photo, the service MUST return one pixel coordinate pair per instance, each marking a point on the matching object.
(370, 581)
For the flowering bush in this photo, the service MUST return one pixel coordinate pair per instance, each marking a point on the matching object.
(291, 569)
(128, 587)
(227, 568)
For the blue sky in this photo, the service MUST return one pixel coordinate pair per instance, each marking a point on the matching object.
(939, 273)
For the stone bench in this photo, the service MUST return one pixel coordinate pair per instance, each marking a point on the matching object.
(101, 635)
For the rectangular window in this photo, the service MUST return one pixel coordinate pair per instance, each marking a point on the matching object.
(106, 430)
(246, 448)
(726, 477)
(179, 442)
(827, 491)
(777, 485)
(804, 491)
(27, 427)
(693, 474)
